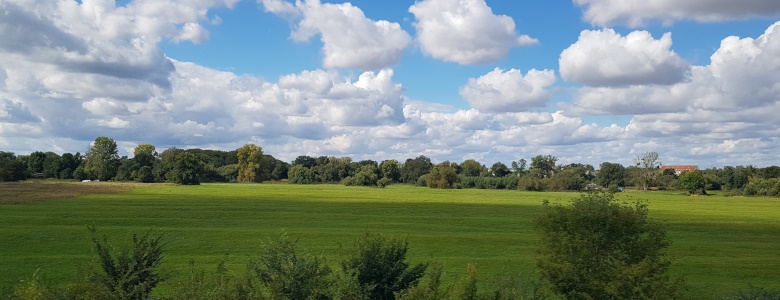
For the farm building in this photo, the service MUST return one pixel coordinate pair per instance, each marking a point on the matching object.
(679, 169)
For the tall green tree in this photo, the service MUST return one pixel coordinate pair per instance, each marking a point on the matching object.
(391, 170)
(597, 248)
(442, 176)
(543, 166)
(102, 159)
(35, 162)
(611, 174)
(250, 158)
(471, 167)
(499, 169)
(693, 182)
(187, 169)
(414, 168)
(11, 169)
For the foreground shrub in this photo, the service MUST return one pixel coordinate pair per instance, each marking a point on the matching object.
(755, 293)
(380, 266)
(287, 274)
(217, 285)
(600, 249)
(134, 272)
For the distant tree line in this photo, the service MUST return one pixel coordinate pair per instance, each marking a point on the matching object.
(250, 164)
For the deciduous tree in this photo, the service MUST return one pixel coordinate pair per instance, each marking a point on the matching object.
(102, 159)
(597, 248)
(648, 165)
(250, 157)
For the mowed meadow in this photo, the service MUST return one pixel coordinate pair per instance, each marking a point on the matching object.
(721, 244)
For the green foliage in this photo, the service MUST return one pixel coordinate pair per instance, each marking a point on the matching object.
(391, 170)
(611, 174)
(466, 288)
(543, 166)
(442, 176)
(250, 158)
(365, 177)
(471, 167)
(499, 169)
(413, 169)
(431, 291)
(755, 293)
(102, 160)
(600, 249)
(133, 273)
(186, 170)
(144, 174)
(298, 174)
(762, 187)
(290, 275)
(693, 182)
(11, 169)
(218, 285)
(384, 182)
(381, 267)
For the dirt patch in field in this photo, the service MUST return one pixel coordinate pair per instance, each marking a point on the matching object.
(37, 190)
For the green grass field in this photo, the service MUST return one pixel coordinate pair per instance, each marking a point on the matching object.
(721, 244)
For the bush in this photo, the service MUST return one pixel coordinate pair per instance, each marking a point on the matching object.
(423, 180)
(133, 273)
(693, 182)
(298, 174)
(600, 249)
(290, 275)
(383, 182)
(755, 293)
(381, 267)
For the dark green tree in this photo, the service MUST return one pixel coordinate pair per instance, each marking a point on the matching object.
(597, 248)
(543, 166)
(187, 169)
(35, 162)
(471, 167)
(611, 174)
(11, 169)
(298, 174)
(414, 168)
(306, 161)
(391, 170)
(693, 182)
(381, 267)
(442, 176)
(499, 169)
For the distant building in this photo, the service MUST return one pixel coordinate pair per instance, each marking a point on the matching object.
(679, 169)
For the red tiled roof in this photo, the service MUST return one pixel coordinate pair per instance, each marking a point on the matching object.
(680, 168)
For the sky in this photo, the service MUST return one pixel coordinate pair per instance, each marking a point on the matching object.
(587, 81)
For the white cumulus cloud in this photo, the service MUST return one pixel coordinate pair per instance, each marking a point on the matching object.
(465, 31)
(636, 13)
(605, 58)
(351, 40)
(510, 91)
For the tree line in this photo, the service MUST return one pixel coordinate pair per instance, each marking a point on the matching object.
(250, 164)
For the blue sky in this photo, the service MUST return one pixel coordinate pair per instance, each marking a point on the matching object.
(449, 79)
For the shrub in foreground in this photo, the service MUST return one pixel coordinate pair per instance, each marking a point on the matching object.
(600, 249)
(380, 266)
(133, 273)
